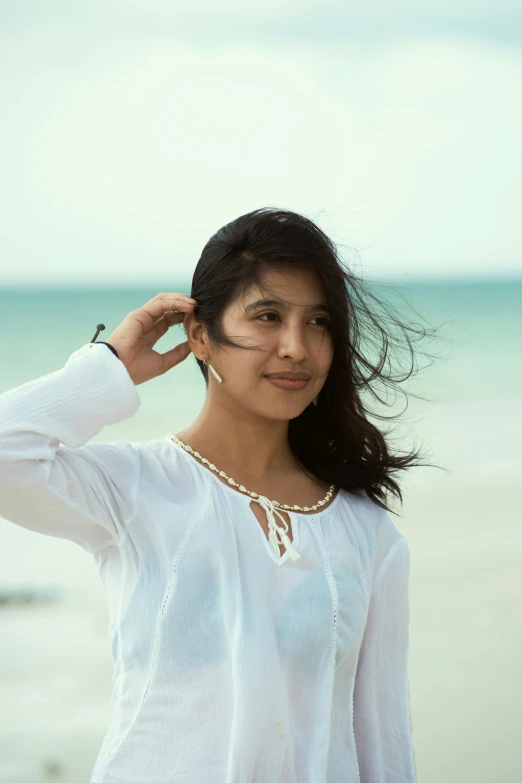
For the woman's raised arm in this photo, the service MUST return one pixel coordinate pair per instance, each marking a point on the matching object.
(51, 480)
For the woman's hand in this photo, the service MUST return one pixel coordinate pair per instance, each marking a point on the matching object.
(135, 337)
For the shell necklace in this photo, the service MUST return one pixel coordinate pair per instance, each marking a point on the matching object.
(276, 535)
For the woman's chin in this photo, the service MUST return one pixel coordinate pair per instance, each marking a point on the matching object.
(284, 407)
(284, 410)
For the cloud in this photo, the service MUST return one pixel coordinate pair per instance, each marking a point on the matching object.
(119, 162)
(304, 20)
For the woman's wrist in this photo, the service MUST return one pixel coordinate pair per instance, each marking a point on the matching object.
(115, 352)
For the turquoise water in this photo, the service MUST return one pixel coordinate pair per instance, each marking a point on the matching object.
(470, 417)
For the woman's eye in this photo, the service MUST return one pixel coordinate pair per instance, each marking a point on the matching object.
(263, 314)
(322, 320)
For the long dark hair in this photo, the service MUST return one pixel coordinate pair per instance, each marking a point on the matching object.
(333, 440)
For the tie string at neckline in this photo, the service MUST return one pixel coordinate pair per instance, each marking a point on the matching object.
(274, 530)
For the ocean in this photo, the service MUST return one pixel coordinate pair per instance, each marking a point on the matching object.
(462, 519)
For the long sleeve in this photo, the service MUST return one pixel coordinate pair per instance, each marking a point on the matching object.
(51, 480)
(382, 718)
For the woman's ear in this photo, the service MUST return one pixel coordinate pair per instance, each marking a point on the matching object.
(196, 335)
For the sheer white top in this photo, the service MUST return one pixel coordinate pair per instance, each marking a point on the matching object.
(231, 664)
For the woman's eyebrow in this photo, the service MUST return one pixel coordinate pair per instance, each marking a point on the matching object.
(284, 305)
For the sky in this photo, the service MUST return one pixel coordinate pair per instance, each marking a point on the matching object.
(132, 131)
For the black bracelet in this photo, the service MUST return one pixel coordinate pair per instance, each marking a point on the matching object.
(99, 329)
(115, 352)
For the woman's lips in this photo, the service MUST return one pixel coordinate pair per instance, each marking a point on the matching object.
(285, 383)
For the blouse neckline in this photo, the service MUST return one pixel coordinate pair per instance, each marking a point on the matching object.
(237, 492)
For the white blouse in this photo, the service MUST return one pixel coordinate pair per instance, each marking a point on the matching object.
(231, 664)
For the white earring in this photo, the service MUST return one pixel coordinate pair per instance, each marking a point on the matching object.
(214, 373)
(315, 400)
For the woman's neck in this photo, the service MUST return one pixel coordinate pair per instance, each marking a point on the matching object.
(252, 446)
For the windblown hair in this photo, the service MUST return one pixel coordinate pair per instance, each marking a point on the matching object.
(335, 439)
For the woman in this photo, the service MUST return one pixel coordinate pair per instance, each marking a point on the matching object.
(256, 583)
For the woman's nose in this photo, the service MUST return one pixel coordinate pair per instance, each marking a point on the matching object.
(292, 343)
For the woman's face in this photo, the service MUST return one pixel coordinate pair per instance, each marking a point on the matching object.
(287, 321)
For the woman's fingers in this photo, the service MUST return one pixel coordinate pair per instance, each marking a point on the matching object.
(175, 355)
(145, 317)
(135, 337)
(169, 318)
(159, 305)
(174, 317)
(162, 325)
